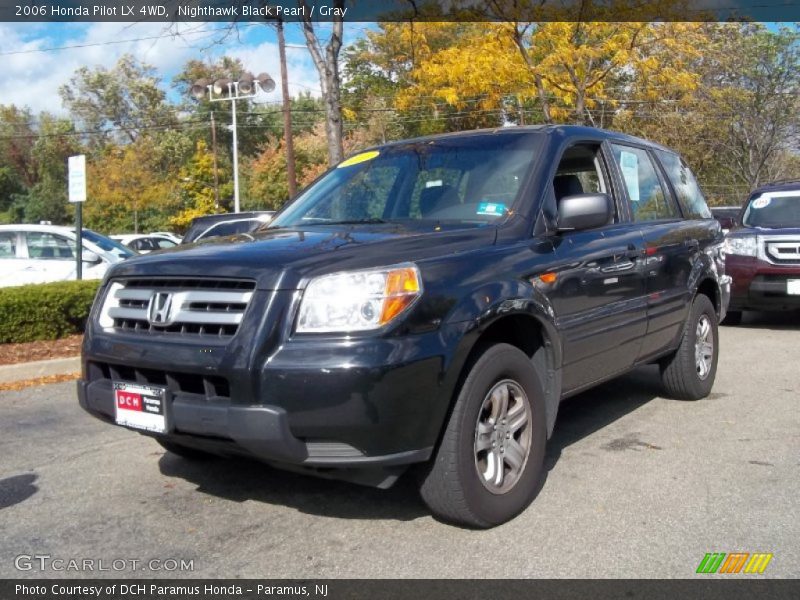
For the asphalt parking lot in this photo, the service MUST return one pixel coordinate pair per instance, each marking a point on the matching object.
(638, 486)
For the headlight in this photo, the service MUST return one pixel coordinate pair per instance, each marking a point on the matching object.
(743, 246)
(358, 300)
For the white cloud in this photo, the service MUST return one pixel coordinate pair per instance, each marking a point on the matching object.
(32, 78)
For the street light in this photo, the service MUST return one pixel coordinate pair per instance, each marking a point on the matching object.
(227, 90)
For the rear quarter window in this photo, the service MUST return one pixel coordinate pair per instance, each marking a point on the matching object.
(691, 199)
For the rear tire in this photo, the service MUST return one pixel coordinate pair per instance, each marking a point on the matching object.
(689, 373)
(184, 451)
(490, 461)
(733, 317)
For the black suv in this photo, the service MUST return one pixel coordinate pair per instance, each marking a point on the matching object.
(427, 301)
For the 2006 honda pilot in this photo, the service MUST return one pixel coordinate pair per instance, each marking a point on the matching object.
(427, 301)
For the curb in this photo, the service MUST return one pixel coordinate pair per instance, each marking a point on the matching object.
(39, 368)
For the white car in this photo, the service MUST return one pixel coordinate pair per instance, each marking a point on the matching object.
(44, 253)
(144, 243)
(168, 235)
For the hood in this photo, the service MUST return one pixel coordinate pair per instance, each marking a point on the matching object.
(743, 230)
(283, 258)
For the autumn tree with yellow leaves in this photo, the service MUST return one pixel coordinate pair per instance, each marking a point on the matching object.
(569, 71)
(126, 191)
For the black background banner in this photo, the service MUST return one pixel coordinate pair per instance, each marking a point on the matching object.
(169, 11)
(706, 587)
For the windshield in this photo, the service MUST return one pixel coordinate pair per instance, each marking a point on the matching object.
(468, 181)
(772, 210)
(107, 244)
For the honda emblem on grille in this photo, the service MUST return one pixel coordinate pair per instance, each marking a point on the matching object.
(159, 309)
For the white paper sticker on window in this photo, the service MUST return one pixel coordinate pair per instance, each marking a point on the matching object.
(629, 164)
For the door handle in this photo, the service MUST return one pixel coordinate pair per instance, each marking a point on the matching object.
(619, 267)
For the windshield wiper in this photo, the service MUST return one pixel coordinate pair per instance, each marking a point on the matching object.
(367, 221)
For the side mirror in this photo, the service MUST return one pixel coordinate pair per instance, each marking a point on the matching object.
(584, 211)
(90, 257)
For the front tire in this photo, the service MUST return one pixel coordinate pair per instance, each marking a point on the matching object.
(690, 372)
(490, 461)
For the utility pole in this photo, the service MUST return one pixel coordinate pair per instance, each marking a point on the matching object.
(214, 154)
(288, 140)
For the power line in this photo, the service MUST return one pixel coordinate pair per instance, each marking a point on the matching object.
(113, 42)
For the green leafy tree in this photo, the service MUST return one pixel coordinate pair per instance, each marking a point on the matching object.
(17, 137)
(126, 100)
(42, 189)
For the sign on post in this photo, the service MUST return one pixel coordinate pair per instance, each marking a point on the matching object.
(77, 178)
(77, 194)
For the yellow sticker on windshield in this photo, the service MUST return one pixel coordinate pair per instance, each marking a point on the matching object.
(358, 158)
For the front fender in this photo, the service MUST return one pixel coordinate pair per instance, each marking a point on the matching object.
(485, 307)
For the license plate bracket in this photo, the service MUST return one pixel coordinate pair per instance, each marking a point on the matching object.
(140, 406)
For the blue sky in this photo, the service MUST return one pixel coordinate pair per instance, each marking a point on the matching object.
(31, 75)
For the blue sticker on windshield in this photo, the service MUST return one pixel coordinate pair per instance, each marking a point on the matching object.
(494, 209)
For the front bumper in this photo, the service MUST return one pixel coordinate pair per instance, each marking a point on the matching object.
(259, 431)
(760, 285)
(359, 402)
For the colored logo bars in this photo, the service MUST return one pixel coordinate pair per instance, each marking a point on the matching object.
(736, 562)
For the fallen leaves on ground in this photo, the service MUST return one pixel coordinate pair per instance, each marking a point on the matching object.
(40, 350)
(19, 385)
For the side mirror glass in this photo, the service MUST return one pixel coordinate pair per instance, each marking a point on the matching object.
(584, 211)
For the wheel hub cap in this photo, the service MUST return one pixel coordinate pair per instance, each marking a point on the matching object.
(503, 436)
(704, 347)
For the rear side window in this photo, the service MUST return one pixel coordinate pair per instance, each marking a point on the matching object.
(682, 179)
(49, 246)
(648, 198)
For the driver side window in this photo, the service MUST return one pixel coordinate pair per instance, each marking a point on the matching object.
(580, 171)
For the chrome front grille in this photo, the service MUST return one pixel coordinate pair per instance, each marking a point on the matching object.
(196, 307)
(784, 251)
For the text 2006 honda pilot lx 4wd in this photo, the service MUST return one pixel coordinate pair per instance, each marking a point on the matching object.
(427, 301)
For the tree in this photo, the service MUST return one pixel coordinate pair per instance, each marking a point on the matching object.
(196, 189)
(267, 187)
(327, 63)
(738, 128)
(568, 68)
(17, 138)
(380, 67)
(125, 191)
(35, 152)
(760, 85)
(126, 100)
